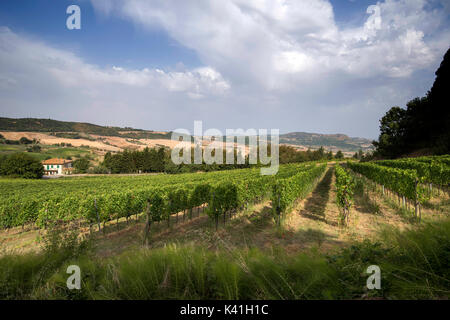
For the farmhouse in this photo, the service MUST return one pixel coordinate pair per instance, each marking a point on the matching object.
(57, 166)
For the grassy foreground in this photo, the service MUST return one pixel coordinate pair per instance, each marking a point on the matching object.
(414, 265)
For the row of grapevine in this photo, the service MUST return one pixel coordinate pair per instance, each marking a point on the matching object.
(123, 201)
(220, 197)
(345, 185)
(404, 183)
(286, 191)
(161, 198)
(231, 195)
(46, 188)
(434, 172)
(445, 159)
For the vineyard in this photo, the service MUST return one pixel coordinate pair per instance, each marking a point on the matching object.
(344, 192)
(409, 180)
(101, 199)
(277, 234)
(435, 171)
(98, 200)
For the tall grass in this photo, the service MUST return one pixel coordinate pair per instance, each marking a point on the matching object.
(21, 275)
(414, 265)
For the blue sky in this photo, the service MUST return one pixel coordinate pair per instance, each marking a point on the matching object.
(325, 66)
(111, 40)
(102, 40)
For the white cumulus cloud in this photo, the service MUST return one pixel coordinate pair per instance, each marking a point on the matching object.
(266, 63)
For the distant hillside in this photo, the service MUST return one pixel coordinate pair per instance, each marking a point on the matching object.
(55, 126)
(328, 141)
(81, 130)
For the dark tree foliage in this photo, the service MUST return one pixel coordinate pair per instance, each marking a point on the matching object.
(289, 154)
(159, 160)
(3, 158)
(34, 148)
(6, 141)
(358, 155)
(148, 160)
(156, 160)
(339, 155)
(81, 165)
(424, 124)
(21, 165)
(24, 140)
(390, 142)
(439, 118)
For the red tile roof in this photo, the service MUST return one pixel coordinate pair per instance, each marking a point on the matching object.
(56, 161)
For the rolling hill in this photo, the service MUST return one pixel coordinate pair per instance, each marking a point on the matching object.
(86, 131)
(56, 126)
(332, 142)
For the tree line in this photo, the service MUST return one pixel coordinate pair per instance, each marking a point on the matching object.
(423, 125)
(21, 165)
(290, 154)
(23, 140)
(159, 160)
(152, 160)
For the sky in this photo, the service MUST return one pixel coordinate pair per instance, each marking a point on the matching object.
(305, 65)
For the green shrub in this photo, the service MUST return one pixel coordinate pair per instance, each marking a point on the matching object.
(81, 165)
(21, 165)
(23, 276)
(24, 140)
